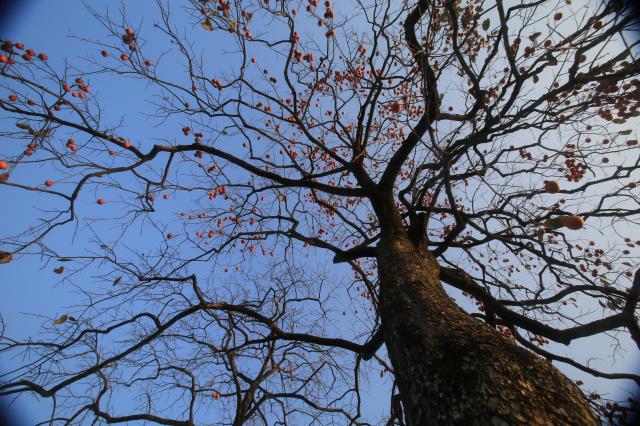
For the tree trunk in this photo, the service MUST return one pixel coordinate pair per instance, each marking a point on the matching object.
(452, 369)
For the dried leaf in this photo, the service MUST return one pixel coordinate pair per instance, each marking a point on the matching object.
(117, 280)
(282, 197)
(207, 25)
(5, 257)
(554, 223)
(59, 270)
(534, 36)
(485, 24)
(61, 320)
(4, 177)
(625, 132)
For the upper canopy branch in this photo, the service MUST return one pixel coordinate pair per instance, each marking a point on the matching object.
(304, 182)
(430, 93)
(463, 281)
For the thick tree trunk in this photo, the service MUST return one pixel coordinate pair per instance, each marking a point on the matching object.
(453, 369)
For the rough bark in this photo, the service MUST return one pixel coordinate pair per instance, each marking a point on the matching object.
(453, 369)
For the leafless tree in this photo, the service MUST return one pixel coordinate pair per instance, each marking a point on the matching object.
(483, 146)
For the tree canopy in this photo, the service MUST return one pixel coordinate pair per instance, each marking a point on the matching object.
(226, 270)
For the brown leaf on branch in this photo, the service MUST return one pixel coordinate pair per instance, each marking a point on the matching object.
(5, 257)
(61, 320)
(207, 25)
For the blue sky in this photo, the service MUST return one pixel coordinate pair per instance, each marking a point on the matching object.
(28, 284)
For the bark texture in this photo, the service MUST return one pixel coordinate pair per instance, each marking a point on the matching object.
(453, 369)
